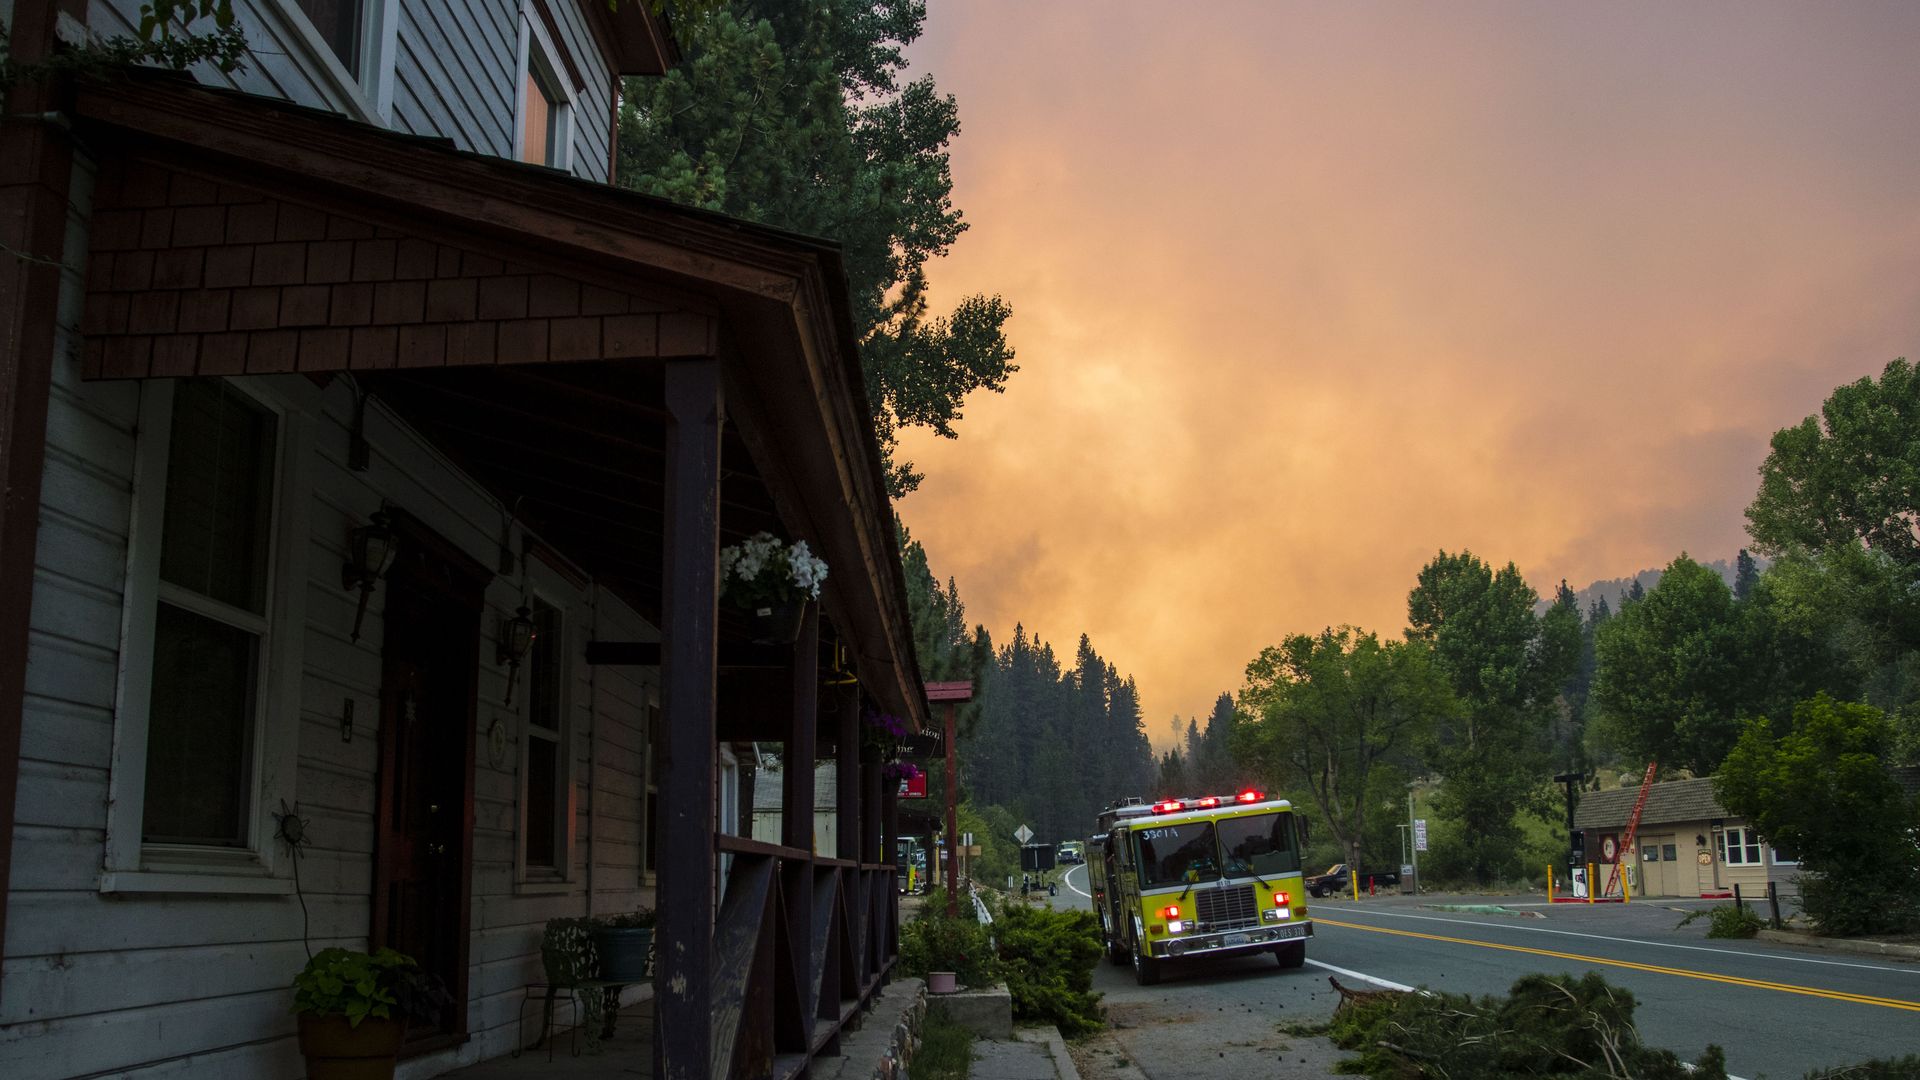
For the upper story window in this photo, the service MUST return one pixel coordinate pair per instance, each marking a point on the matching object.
(544, 126)
(346, 49)
(546, 113)
(339, 23)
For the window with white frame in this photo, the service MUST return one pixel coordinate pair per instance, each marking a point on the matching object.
(546, 788)
(1739, 846)
(211, 625)
(544, 126)
(1780, 858)
(348, 45)
(204, 658)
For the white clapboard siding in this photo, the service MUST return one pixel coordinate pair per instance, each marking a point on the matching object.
(194, 985)
(456, 74)
(454, 70)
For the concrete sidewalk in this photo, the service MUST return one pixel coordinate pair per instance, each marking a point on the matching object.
(1032, 1054)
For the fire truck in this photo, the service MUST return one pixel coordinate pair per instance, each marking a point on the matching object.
(1217, 875)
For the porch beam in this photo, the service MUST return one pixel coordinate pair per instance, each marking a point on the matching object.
(683, 1020)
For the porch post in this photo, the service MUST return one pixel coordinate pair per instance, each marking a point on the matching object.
(36, 169)
(797, 807)
(683, 968)
(846, 781)
(796, 795)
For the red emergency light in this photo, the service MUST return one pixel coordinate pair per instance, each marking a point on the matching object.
(1167, 807)
(1170, 912)
(1209, 801)
(1250, 796)
(1280, 899)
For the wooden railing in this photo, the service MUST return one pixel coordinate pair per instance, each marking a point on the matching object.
(801, 945)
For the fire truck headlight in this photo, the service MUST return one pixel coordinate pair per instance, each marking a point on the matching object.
(1176, 926)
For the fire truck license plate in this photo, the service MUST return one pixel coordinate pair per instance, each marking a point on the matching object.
(1236, 939)
(1291, 932)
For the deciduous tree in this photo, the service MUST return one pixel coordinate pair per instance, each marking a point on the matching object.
(797, 115)
(1334, 713)
(1821, 793)
(1506, 665)
(1850, 475)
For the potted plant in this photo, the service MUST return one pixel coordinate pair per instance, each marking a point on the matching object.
(354, 1008)
(625, 945)
(773, 581)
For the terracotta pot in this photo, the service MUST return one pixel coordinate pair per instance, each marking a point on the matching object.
(940, 982)
(336, 1050)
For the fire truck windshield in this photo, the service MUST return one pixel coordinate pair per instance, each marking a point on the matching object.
(1261, 845)
(1182, 854)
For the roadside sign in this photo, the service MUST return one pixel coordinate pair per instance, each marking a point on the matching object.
(1023, 834)
(1419, 834)
(966, 838)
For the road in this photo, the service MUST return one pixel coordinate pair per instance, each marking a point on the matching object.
(1776, 1010)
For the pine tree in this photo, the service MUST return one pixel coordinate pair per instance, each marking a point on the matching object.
(1746, 576)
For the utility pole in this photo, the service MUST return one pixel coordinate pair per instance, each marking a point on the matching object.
(1413, 845)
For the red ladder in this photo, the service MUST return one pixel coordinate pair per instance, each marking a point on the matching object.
(1633, 826)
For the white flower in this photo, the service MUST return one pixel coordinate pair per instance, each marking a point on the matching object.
(762, 560)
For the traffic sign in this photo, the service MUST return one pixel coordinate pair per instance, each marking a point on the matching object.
(1419, 834)
(1023, 834)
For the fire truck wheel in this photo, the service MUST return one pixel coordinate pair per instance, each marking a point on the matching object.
(1292, 954)
(1146, 970)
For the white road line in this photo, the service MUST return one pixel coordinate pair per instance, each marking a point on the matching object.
(1632, 941)
(1374, 979)
(1068, 878)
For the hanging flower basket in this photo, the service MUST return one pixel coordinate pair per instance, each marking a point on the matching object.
(773, 582)
(778, 624)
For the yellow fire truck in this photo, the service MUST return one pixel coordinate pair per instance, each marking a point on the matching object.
(1211, 876)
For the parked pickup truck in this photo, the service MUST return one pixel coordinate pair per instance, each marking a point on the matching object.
(1337, 880)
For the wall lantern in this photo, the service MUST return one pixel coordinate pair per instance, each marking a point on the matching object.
(369, 552)
(516, 640)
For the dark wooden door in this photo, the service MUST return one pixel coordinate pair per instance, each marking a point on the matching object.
(423, 843)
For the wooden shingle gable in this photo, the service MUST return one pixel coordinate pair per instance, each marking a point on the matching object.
(188, 276)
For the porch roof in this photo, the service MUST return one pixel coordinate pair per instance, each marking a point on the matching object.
(1670, 801)
(371, 252)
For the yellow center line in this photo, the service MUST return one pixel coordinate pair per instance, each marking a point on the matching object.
(1731, 980)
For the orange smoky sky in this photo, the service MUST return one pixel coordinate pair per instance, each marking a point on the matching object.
(1305, 293)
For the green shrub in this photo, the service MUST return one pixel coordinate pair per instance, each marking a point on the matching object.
(1048, 958)
(1545, 1026)
(1733, 921)
(931, 941)
(1726, 921)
